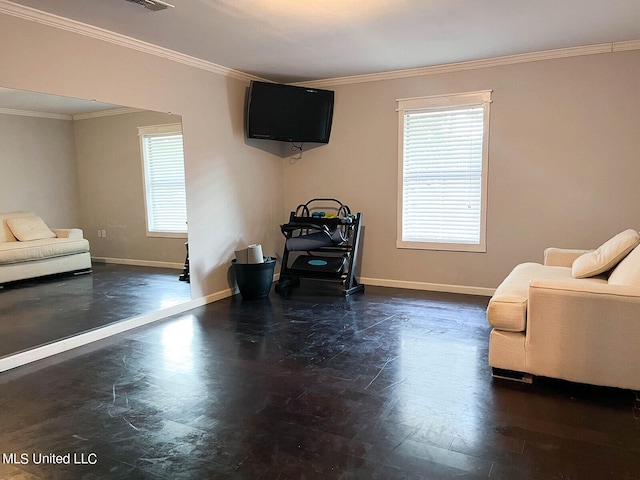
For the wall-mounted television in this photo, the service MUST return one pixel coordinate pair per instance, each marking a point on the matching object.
(288, 113)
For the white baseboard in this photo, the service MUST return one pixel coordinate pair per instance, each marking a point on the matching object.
(138, 263)
(431, 287)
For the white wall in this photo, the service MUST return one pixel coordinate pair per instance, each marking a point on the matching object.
(564, 164)
(234, 191)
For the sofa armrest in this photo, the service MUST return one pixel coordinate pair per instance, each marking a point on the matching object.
(584, 331)
(73, 233)
(562, 257)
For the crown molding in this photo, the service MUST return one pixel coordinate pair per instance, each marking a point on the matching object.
(27, 13)
(106, 113)
(28, 113)
(76, 116)
(625, 46)
(9, 8)
(477, 64)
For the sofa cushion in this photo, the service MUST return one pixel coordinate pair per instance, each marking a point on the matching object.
(29, 228)
(15, 252)
(507, 308)
(5, 232)
(606, 256)
(628, 270)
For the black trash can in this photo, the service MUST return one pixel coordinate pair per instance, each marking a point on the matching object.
(254, 279)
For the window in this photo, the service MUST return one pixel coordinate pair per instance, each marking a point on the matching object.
(443, 152)
(163, 165)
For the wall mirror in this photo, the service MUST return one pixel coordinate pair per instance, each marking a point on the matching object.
(77, 164)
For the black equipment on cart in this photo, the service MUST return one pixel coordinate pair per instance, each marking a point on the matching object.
(321, 245)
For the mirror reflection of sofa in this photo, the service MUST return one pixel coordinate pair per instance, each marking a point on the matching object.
(576, 317)
(29, 248)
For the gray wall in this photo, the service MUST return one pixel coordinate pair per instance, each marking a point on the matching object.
(112, 190)
(564, 164)
(84, 174)
(563, 160)
(234, 192)
(37, 161)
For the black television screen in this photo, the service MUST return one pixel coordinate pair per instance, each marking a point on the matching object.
(287, 113)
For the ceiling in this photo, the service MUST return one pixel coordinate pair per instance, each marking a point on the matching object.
(294, 41)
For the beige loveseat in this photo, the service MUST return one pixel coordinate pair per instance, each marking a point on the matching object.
(577, 317)
(28, 248)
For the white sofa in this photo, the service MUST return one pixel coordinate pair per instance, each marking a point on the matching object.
(576, 318)
(28, 248)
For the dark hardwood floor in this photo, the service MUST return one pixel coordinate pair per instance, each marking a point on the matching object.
(389, 384)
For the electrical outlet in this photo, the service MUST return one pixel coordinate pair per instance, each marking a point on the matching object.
(104, 234)
(99, 233)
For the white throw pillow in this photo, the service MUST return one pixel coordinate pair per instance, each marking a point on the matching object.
(606, 256)
(628, 270)
(29, 228)
(5, 232)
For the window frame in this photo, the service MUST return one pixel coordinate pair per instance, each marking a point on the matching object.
(443, 103)
(157, 130)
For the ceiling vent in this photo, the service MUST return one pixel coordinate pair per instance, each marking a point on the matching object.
(154, 5)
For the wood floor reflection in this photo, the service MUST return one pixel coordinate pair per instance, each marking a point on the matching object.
(389, 384)
(39, 311)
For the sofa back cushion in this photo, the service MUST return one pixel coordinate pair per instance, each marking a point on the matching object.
(606, 256)
(6, 235)
(628, 270)
(29, 228)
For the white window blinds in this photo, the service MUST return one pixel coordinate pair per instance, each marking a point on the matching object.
(164, 179)
(443, 172)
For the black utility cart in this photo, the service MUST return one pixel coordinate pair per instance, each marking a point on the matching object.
(321, 243)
